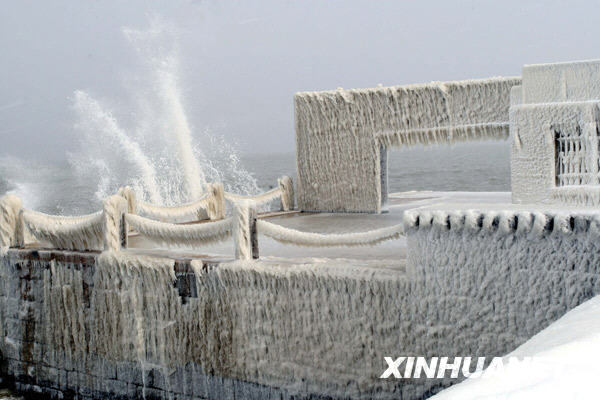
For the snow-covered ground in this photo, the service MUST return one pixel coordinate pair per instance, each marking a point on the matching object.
(565, 363)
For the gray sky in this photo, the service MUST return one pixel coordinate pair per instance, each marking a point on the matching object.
(241, 61)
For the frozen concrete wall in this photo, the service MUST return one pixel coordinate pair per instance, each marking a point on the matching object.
(556, 101)
(341, 134)
(509, 273)
(122, 325)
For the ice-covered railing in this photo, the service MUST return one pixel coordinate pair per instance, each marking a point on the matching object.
(108, 229)
(284, 191)
(104, 230)
(313, 239)
(211, 205)
(241, 225)
(81, 232)
(177, 235)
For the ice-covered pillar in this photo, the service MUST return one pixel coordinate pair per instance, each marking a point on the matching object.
(216, 202)
(244, 231)
(286, 185)
(115, 227)
(11, 222)
(128, 194)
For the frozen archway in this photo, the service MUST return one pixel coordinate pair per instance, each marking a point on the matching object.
(342, 136)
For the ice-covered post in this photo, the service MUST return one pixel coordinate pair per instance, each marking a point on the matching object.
(115, 227)
(128, 194)
(216, 201)
(11, 222)
(245, 234)
(286, 185)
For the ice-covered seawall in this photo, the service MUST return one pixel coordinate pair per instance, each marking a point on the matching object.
(147, 327)
(341, 135)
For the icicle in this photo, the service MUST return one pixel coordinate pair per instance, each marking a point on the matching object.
(472, 220)
(562, 225)
(506, 222)
(409, 218)
(524, 220)
(440, 220)
(425, 219)
(539, 224)
(490, 219)
(457, 220)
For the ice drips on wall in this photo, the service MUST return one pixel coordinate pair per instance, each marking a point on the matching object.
(150, 145)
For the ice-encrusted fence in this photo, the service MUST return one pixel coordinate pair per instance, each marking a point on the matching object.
(108, 229)
(104, 230)
(212, 205)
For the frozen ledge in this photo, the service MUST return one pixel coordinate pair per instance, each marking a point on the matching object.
(535, 223)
